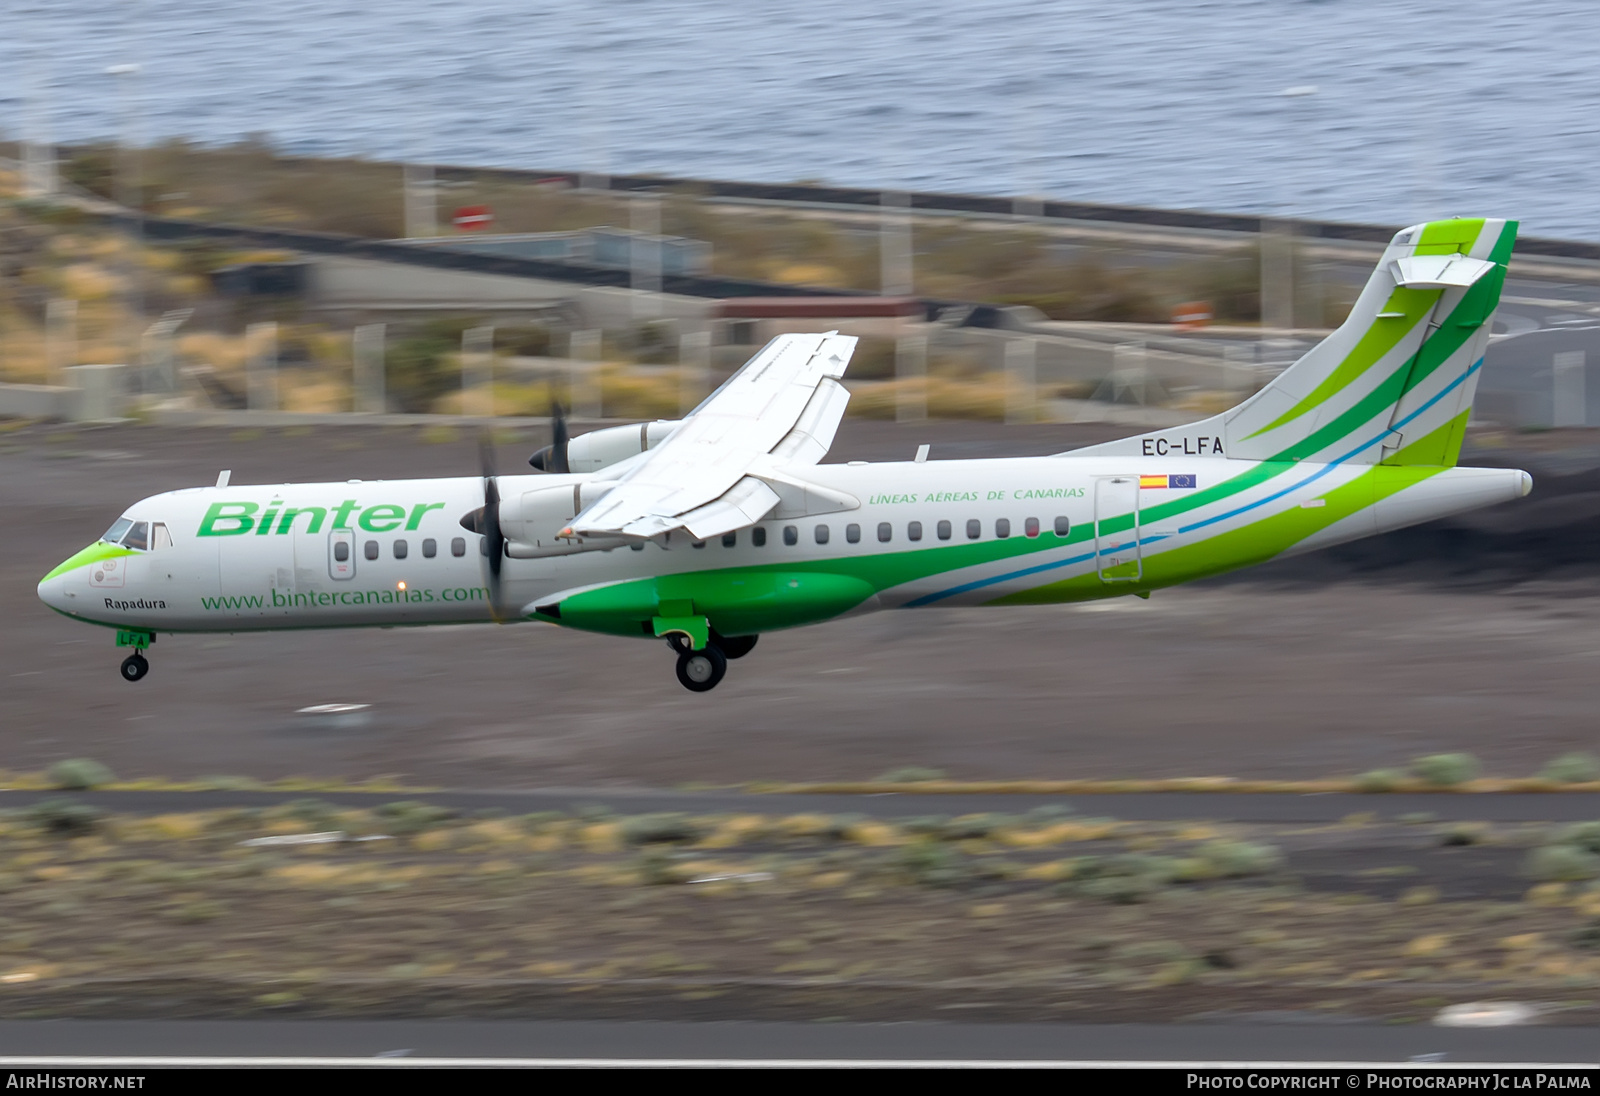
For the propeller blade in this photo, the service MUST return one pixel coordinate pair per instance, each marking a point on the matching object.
(494, 539)
(553, 457)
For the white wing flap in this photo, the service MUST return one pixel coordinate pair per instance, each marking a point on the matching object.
(769, 404)
(745, 503)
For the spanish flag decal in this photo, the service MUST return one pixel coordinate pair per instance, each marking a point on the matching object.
(1162, 482)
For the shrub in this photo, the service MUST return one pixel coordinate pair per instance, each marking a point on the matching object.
(911, 774)
(1462, 833)
(408, 816)
(79, 774)
(1573, 768)
(974, 826)
(648, 829)
(1123, 879)
(1234, 859)
(1380, 780)
(932, 864)
(1583, 835)
(64, 817)
(1446, 770)
(1562, 863)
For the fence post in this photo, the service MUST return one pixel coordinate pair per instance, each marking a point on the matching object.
(1021, 380)
(694, 369)
(1129, 373)
(421, 215)
(261, 367)
(1277, 274)
(895, 267)
(61, 337)
(644, 255)
(477, 371)
(1568, 390)
(584, 389)
(911, 373)
(367, 369)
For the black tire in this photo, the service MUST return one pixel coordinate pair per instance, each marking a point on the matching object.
(134, 667)
(737, 646)
(700, 671)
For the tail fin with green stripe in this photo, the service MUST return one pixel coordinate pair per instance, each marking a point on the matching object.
(1394, 384)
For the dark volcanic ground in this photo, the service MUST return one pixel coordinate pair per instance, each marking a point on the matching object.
(1477, 634)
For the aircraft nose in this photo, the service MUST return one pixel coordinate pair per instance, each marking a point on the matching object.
(52, 591)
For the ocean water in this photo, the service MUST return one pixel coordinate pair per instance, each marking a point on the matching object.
(1421, 108)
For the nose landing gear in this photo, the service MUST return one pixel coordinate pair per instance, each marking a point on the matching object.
(135, 666)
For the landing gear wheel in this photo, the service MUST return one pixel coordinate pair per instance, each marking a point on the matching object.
(699, 671)
(134, 667)
(737, 646)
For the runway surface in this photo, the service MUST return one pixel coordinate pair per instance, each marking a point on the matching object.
(1478, 635)
(1267, 1039)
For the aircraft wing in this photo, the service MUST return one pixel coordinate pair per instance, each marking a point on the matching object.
(712, 475)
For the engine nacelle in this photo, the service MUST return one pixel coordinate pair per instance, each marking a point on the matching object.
(532, 520)
(602, 448)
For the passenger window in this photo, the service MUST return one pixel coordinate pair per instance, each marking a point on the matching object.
(974, 529)
(729, 540)
(370, 549)
(118, 529)
(698, 544)
(791, 535)
(852, 533)
(637, 546)
(458, 546)
(885, 531)
(138, 537)
(914, 530)
(159, 537)
(822, 534)
(1031, 527)
(430, 548)
(1063, 527)
(341, 551)
(758, 536)
(1002, 527)
(401, 549)
(943, 529)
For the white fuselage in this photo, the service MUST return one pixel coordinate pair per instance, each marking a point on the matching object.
(269, 557)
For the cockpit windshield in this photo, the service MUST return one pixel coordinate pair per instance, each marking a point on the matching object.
(115, 534)
(138, 537)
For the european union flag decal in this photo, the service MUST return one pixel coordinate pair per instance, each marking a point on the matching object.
(1180, 481)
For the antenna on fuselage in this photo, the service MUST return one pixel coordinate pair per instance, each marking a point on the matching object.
(222, 477)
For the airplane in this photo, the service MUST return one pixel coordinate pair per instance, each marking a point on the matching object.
(709, 531)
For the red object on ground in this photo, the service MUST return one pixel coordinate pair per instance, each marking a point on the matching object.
(472, 218)
(1192, 315)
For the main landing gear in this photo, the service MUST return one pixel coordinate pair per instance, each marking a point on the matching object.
(135, 666)
(701, 671)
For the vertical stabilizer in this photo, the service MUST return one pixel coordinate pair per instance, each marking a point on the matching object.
(1394, 384)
